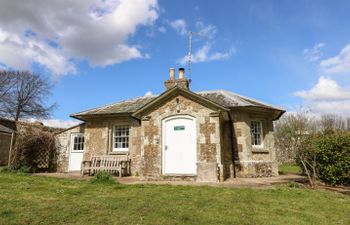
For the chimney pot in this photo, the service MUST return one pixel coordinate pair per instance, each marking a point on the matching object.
(181, 73)
(172, 73)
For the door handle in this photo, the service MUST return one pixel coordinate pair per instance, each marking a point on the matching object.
(166, 147)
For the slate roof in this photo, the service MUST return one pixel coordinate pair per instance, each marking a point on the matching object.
(222, 97)
(229, 99)
(128, 106)
(5, 129)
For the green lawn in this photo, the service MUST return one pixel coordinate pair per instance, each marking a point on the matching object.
(289, 169)
(26, 199)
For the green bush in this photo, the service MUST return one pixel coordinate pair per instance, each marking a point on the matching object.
(23, 169)
(333, 158)
(102, 177)
(5, 169)
(26, 169)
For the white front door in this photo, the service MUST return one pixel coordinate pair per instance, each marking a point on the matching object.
(179, 146)
(76, 151)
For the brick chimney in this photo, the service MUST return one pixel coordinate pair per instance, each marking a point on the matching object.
(181, 82)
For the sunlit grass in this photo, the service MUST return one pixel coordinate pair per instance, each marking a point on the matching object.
(26, 199)
(289, 169)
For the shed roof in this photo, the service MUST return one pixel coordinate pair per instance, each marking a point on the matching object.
(5, 129)
(222, 97)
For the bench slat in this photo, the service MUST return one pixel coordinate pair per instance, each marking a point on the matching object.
(110, 163)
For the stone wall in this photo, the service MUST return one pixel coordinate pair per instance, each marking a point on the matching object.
(98, 139)
(208, 138)
(228, 141)
(63, 140)
(5, 143)
(252, 161)
(216, 136)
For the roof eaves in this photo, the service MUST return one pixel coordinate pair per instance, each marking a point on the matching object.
(69, 128)
(5, 129)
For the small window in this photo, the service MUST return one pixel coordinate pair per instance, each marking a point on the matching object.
(256, 133)
(78, 142)
(121, 138)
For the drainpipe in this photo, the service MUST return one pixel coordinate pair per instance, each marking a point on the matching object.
(232, 143)
(10, 151)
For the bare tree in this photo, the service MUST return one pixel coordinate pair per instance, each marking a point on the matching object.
(293, 133)
(330, 123)
(24, 94)
(6, 83)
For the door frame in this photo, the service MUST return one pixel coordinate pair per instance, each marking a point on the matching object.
(71, 146)
(164, 120)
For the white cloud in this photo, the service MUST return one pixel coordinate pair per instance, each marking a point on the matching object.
(148, 94)
(19, 52)
(55, 34)
(60, 123)
(202, 32)
(56, 122)
(339, 63)
(180, 26)
(314, 54)
(327, 97)
(203, 54)
(201, 29)
(162, 29)
(207, 31)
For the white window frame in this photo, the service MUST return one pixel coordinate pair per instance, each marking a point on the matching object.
(78, 135)
(261, 134)
(114, 149)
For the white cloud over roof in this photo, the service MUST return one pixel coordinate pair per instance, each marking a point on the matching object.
(55, 35)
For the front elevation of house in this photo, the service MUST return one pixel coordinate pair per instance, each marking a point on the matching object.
(205, 136)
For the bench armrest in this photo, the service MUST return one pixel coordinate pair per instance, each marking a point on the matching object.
(86, 163)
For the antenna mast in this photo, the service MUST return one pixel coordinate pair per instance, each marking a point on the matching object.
(189, 57)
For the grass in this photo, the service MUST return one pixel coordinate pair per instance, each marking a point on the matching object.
(28, 199)
(289, 169)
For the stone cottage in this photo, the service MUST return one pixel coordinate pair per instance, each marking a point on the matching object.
(204, 136)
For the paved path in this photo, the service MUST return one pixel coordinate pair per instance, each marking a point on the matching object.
(261, 182)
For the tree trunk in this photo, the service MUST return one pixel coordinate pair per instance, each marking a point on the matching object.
(307, 171)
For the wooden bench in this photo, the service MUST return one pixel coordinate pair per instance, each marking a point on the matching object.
(115, 164)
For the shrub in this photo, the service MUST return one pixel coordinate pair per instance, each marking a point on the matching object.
(102, 177)
(5, 169)
(26, 169)
(333, 158)
(34, 150)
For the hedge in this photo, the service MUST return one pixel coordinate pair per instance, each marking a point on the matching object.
(333, 158)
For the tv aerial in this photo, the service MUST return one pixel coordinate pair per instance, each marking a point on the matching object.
(189, 56)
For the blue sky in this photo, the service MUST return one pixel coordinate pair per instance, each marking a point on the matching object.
(287, 53)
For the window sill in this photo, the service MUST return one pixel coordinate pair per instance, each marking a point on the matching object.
(77, 151)
(119, 153)
(259, 150)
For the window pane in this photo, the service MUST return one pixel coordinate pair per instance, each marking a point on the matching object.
(121, 137)
(78, 142)
(256, 132)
